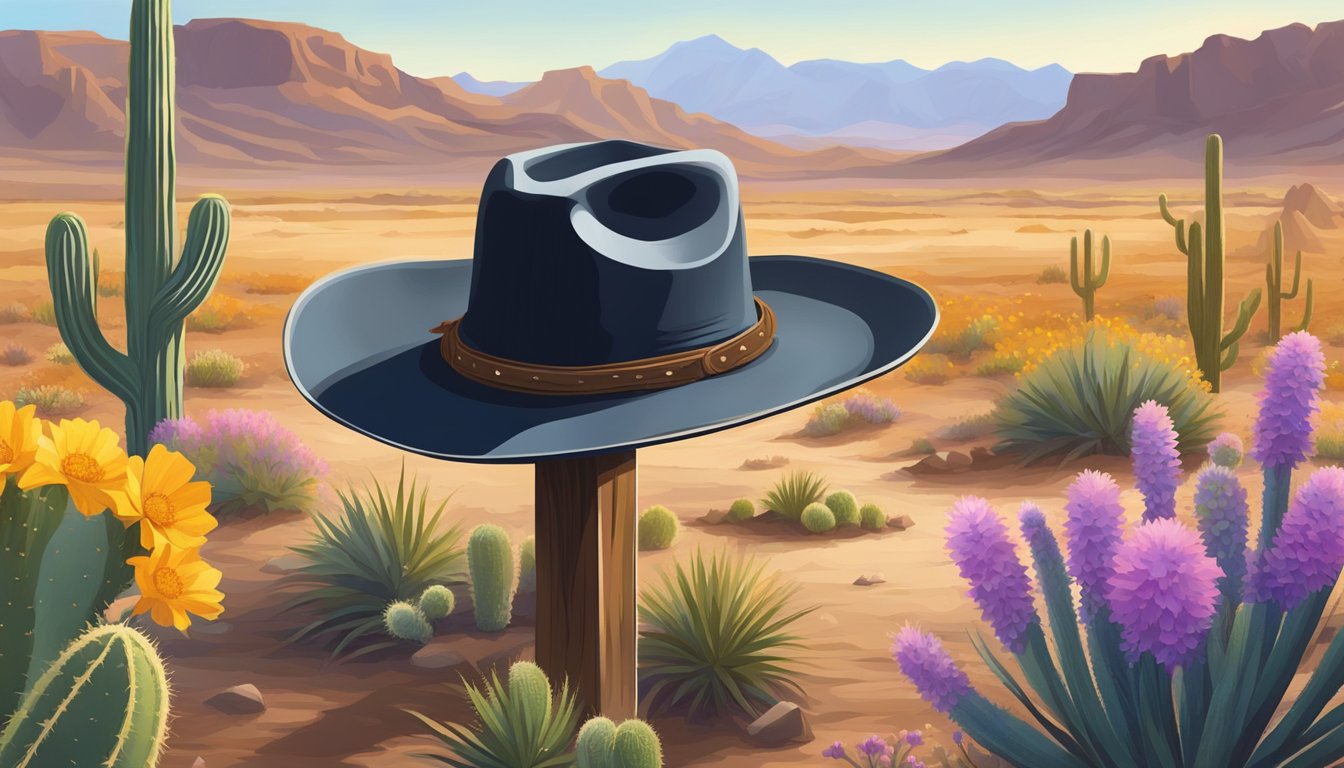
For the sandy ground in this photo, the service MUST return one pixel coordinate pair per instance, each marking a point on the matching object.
(955, 240)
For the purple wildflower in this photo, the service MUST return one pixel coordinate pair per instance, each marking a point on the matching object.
(1163, 592)
(915, 738)
(926, 663)
(1226, 450)
(1220, 505)
(871, 408)
(836, 751)
(1094, 528)
(873, 746)
(1293, 379)
(1308, 551)
(978, 542)
(1157, 462)
(958, 737)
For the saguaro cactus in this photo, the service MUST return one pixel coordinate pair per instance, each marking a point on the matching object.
(1274, 287)
(1085, 280)
(161, 290)
(1203, 247)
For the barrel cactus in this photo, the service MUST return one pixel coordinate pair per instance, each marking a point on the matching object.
(818, 518)
(658, 528)
(103, 702)
(436, 602)
(527, 565)
(872, 517)
(633, 744)
(404, 621)
(490, 560)
(844, 506)
(597, 740)
(742, 509)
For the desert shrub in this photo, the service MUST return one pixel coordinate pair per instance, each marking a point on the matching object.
(828, 419)
(1027, 347)
(52, 400)
(818, 518)
(1169, 307)
(380, 548)
(872, 517)
(220, 313)
(717, 637)
(274, 283)
(860, 408)
(998, 366)
(976, 335)
(1330, 433)
(658, 528)
(524, 724)
(436, 602)
(793, 492)
(922, 445)
(929, 369)
(1082, 398)
(1052, 274)
(15, 355)
(742, 509)
(844, 506)
(213, 368)
(44, 313)
(111, 283)
(406, 621)
(970, 428)
(59, 354)
(252, 462)
(15, 313)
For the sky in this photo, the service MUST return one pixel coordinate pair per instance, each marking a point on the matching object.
(520, 39)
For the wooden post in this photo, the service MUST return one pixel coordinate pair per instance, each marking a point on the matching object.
(586, 620)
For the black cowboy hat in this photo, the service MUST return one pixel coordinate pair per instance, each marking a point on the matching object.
(610, 305)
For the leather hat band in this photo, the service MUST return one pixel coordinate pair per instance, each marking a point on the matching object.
(629, 376)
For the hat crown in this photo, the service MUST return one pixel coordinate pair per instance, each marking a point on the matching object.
(607, 252)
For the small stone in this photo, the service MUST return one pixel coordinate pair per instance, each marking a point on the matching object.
(958, 461)
(436, 654)
(239, 700)
(284, 564)
(781, 724)
(868, 581)
(901, 522)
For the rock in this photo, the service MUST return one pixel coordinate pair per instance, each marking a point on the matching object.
(781, 724)
(868, 581)
(901, 522)
(200, 763)
(933, 464)
(983, 458)
(958, 461)
(715, 516)
(436, 654)
(239, 700)
(284, 564)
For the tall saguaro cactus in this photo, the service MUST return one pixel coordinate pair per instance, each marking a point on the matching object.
(161, 289)
(1085, 280)
(1274, 286)
(1205, 254)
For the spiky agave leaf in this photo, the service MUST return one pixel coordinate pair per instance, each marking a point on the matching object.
(793, 493)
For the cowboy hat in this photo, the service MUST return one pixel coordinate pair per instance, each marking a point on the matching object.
(610, 304)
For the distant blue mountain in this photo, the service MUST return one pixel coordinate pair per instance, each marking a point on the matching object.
(486, 87)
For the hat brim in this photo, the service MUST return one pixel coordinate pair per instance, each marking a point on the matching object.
(358, 347)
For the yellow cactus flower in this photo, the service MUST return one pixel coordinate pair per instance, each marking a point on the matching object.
(175, 583)
(169, 506)
(85, 458)
(19, 434)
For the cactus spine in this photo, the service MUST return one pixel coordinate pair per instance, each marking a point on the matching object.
(104, 702)
(1215, 351)
(1274, 288)
(602, 744)
(490, 560)
(1085, 280)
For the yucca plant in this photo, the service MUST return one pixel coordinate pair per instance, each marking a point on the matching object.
(793, 492)
(1080, 401)
(717, 637)
(380, 549)
(522, 725)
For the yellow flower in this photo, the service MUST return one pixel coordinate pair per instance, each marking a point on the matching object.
(86, 459)
(174, 583)
(19, 433)
(169, 506)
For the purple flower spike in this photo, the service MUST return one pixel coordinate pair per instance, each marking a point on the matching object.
(1157, 463)
(873, 746)
(1220, 505)
(978, 542)
(1226, 450)
(1308, 551)
(926, 663)
(1094, 528)
(1293, 379)
(1164, 592)
(836, 751)
(915, 738)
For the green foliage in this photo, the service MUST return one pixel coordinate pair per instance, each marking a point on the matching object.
(490, 560)
(103, 702)
(969, 428)
(1052, 274)
(793, 492)
(872, 517)
(44, 313)
(717, 637)
(436, 602)
(380, 549)
(818, 518)
(405, 621)
(52, 400)
(844, 506)
(1083, 277)
(59, 354)
(999, 365)
(521, 725)
(214, 368)
(1274, 288)
(742, 509)
(527, 565)
(826, 420)
(658, 528)
(922, 446)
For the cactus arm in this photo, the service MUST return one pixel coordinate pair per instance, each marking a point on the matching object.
(1105, 272)
(1230, 358)
(202, 257)
(1245, 311)
(1177, 224)
(74, 290)
(1075, 280)
(1297, 278)
(1307, 309)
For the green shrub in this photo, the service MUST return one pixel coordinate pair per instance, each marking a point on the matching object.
(380, 549)
(1052, 274)
(970, 428)
(742, 509)
(60, 354)
(923, 446)
(818, 518)
(658, 528)
(44, 313)
(1006, 365)
(490, 560)
(793, 492)
(826, 420)
(436, 602)
(978, 335)
(1081, 399)
(52, 400)
(872, 517)
(717, 637)
(405, 621)
(522, 725)
(527, 565)
(15, 355)
(213, 368)
(15, 313)
(844, 506)
(929, 369)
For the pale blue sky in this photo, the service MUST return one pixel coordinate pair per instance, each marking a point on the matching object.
(519, 39)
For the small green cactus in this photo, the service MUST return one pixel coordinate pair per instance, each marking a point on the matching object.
(527, 565)
(872, 517)
(844, 506)
(742, 509)
(637, 746)
(405, 621)
(597, 741)
(818, 518)
(1274, 288)
(436, 602)
(103, 702)
(530, 689)
(490, 560)
(1083, 278)
(658, 528)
